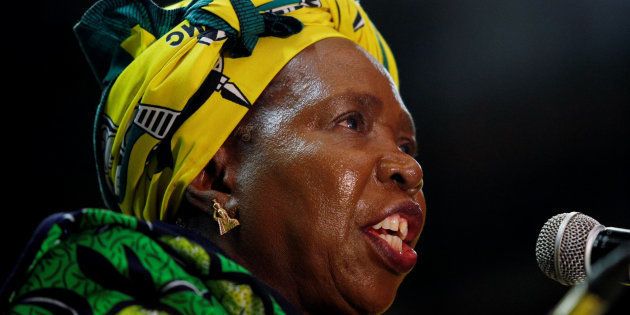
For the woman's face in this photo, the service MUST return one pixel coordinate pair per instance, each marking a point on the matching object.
(329, 158)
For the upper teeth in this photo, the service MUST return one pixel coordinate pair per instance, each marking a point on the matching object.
(397, 224)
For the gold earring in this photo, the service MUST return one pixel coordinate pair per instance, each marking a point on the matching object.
(223, 218)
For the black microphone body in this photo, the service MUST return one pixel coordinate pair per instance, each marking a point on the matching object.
(605, 241)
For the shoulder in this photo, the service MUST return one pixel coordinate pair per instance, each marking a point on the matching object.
(99, 261)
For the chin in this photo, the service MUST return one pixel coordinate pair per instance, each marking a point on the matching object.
(380, 301)
(377, 296)
(356, 295)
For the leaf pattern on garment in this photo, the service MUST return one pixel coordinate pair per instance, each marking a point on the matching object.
(138, 284)
(100, 262)
(57, 301)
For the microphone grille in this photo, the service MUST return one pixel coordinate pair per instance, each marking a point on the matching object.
(561, 247)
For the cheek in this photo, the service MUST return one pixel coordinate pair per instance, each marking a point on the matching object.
(312, 188)
(323, 190)
(313, 169)
(302, 180)
(348, 185)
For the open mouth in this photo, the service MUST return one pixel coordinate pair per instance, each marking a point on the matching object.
(393, 230)
(392, 238)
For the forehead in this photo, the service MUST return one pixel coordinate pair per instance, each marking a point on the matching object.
(336, 70)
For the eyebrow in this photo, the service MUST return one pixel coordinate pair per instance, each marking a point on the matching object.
(362, 98)
(367, 99)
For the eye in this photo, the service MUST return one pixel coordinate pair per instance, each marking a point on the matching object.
(408, 148)
(353, 121)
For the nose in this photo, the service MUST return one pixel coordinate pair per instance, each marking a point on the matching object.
(402, 170)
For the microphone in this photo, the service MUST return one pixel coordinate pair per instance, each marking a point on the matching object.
(569, 244)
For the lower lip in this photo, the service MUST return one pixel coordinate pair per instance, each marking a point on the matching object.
(395, 260)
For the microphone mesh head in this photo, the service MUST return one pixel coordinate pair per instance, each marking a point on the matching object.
(561, 247)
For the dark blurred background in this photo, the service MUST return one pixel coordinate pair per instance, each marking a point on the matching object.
(522, 110)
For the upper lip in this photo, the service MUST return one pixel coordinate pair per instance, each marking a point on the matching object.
(409, 210)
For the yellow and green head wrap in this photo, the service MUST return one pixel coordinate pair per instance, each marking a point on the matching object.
(177, 81)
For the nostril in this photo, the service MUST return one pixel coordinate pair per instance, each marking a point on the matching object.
(398, 178)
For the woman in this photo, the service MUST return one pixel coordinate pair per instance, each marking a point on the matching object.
(309, 200)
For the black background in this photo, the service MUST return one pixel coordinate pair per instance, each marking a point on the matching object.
(521, 108)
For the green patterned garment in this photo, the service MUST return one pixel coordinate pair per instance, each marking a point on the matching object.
(101, 262)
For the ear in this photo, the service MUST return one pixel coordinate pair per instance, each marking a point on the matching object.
(216, 181)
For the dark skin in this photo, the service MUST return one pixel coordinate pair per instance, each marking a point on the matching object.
(326, 148)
